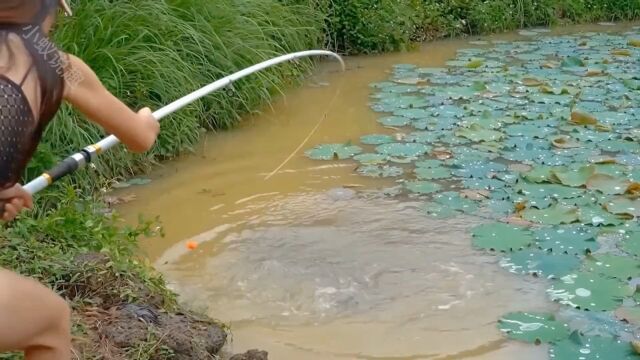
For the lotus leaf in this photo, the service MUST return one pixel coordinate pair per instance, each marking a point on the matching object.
(573, 177)
(478, 133)
(423, 187)
(477, 169)
(403, 149)
(554, 215)
(380, 171)
(333, 151)
(578, 347)
(394, 121)
(608, 184)
(631, 243)
(533, 327)
(376, 139)
(619, 267)
(597, 216)
(501, 237)
(371, 159)
(432, 173)
(547, 190)
(429, 164)
(623, 206)
(589, 292)
(571, 240)
(540, 263)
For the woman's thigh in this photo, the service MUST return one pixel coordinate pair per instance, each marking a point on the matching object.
(28, 310)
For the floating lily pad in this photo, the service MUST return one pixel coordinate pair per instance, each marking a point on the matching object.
(453, 201)
(548, 190)
(573, 177)
(423, 187)
(477, 133)
(541, 263)
(608, 184)
(376, 139)
(380, 171)
(429, 164)
(554, 215)
(371, 159)
(403, 149)
(623, 206)
(533, 328)
(620, 267)
(597, 216)
(571, 240)
(501, 237)
(333, 151)
(589, 291)
(397, 121)
(432, 173)
(577, 347)
(542, 174)
(631, 244)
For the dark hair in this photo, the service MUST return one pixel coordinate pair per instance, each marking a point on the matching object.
(26, 18)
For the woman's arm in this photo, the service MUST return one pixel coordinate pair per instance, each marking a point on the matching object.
(138, 131)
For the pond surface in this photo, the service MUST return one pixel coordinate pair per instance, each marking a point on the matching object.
(313, 261)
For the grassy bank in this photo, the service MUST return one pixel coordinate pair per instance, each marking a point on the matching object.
(152, 52)
(369, 26)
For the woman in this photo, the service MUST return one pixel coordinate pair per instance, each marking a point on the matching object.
(34, 79)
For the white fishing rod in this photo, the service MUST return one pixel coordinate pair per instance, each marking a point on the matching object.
(89, 153)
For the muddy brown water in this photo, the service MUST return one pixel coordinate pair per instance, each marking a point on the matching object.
(306, 271)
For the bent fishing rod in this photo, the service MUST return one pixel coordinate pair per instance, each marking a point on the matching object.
(89, 153)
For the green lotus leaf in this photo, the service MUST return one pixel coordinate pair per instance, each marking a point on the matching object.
(578, 347)
(371, 159)
(571, 240)
(501, 237)
(432, 173)
(547, 190)
(533, 328)
(615, 170)
(619, 267)
(477, 133)
(574, 177)
(376, 139)
(631, 243)
(396, 121)
(541, 263)
(597, 216)
(429, 164)
(621, 205)
(403, 149)
(413, 113)
(608, 184)
(589, 291)
(423, 187)
(333, 151)
(541, 174)
(439, 211)
(572, 61)
(380, 171)
(554, 215)
(454, 201)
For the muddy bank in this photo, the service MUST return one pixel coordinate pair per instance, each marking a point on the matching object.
(108, 326)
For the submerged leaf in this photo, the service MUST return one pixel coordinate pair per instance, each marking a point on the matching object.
(589, 291)
(423, 187)
(477, 133)
(501, 237)
(554, 215)
(578, 347)
(533, 328)
(333, 151)
(574, 178)
(608, 184)
(540, 263)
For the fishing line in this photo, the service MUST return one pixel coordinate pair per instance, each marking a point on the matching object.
(313, 131)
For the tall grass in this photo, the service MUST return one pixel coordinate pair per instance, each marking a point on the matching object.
(151, 52)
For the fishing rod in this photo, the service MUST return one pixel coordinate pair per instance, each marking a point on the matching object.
(89, 153)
